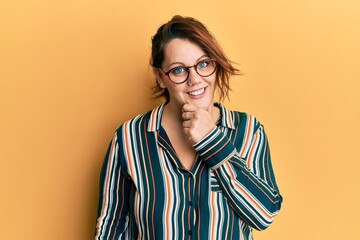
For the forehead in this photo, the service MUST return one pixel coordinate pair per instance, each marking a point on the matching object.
(182, 51)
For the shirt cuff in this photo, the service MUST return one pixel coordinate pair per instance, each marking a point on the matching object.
(215, 148)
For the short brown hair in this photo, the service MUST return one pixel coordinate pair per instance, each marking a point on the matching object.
(194, 31)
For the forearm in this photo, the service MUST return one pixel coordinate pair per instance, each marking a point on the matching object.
(113, 203)
(255, 200)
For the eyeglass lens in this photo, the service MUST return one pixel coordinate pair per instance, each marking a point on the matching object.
(204, 68)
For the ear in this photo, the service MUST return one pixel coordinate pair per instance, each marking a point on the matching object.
(157, 75)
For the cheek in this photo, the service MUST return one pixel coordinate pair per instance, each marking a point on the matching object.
(176, 91)
(213, 82)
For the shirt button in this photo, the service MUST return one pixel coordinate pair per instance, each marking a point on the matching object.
(190, 202)
(190, 232)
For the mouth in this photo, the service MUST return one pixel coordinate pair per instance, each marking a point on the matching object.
(197, 92)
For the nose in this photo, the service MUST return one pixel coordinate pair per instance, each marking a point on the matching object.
(194, 77)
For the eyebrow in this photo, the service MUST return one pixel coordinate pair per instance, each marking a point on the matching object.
(203, 56)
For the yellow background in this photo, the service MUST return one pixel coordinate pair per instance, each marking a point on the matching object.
(72, 71)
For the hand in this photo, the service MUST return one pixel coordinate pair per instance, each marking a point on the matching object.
(197, 122)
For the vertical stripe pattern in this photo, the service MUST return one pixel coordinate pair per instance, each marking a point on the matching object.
(145, 193)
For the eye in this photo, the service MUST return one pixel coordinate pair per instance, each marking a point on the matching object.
(203, 63)
(178, 70)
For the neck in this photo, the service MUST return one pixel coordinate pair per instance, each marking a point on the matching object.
(172, 114)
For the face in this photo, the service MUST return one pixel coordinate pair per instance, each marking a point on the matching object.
(197, 90)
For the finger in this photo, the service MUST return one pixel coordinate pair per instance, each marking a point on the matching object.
(186, 124)
(187, 133)
(184, 115)
(187, 107)
(187, 115)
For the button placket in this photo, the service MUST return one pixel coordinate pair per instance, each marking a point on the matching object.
(190, 203)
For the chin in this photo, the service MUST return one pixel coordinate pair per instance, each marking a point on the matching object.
(203, 104)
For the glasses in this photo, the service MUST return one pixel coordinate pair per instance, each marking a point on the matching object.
(180, 74)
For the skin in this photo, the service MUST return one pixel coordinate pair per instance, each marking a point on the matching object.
(187, 118)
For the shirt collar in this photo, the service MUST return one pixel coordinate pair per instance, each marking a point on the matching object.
(226, 117)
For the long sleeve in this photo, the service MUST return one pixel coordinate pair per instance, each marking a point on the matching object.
(145, 193)
(248, 181)
(112, 221)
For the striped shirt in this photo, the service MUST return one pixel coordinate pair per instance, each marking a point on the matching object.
(145, 193)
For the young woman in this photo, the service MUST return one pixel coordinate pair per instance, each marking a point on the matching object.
(190, 168)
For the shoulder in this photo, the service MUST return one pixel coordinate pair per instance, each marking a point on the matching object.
(139, 124)
(137, 121)
(240, 120)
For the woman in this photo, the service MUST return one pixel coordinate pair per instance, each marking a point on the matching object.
(190, 168)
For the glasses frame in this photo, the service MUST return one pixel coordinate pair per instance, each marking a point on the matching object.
(188, 70)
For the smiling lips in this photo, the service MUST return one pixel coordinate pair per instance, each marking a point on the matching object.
(197, 92)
